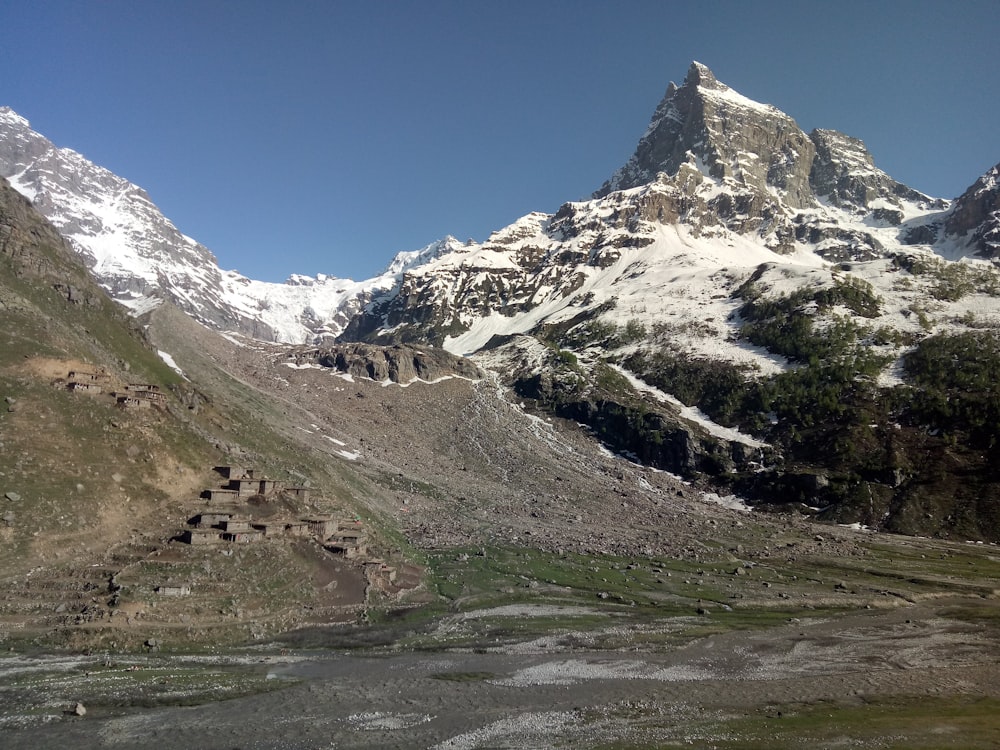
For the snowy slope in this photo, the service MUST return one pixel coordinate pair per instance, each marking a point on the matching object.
(719, 186)
(140, 257)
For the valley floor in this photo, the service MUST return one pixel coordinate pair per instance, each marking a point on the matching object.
(916, 676)
(566, 597)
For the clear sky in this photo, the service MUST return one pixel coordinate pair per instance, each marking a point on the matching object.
(324, 137)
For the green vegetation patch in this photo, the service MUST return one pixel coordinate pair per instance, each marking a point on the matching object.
(966, 722)
(951, 281)
(785, 324)
(463, 676)
(956, 381)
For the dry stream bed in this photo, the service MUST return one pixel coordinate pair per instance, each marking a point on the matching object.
(894, 648)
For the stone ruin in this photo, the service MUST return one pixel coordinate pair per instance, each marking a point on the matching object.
(135, 395)
(229, 520)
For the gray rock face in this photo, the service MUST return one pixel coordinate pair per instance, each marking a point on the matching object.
(38, 251)
(976, 215)
(705, 123)
(399, 363)
(844, 172)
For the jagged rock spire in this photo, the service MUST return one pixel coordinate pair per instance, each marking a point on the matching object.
(708, 124)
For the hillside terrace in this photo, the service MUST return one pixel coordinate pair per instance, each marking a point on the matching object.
(234, 523)
(135, 395)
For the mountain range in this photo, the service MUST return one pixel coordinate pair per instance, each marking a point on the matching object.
(741, 301)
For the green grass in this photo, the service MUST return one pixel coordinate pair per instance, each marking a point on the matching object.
(966, 722)
(463, 676)
(900, 722)
(667, 601)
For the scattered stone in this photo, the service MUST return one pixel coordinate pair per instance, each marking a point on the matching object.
(79, 710)
(13, 497)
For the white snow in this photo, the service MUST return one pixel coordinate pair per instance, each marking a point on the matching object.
(170, 362)
(725, 94)
(726, 501)
(691, 413)
(140, 305)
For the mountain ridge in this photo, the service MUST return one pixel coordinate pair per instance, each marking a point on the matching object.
(312, 309)
(777, 281)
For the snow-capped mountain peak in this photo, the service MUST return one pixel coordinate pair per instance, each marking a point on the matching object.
(140, 257)
(706, 122)
(717, 180)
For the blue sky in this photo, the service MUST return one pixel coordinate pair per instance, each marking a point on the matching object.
(324, 137)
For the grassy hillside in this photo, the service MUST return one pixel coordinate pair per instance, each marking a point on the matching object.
(93, 494)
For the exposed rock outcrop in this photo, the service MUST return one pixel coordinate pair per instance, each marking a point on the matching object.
(844, 173)
(976, 215)
(399, 363)
(706, 123)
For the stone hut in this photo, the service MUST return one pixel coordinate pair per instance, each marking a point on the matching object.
(350, 536)
(349, 547)
(155, 396)
(270, 529)
(236, 524)
(223, 495)
(242, 537)
(84, 386)
(209, 520)
(297, 529)
(133, 402)
(201, 536)
(322, 527)
(245, 487)
(231, 472)
(299, 493)
(143, 387)
(82, 376)
(173, 590)
(347, 541)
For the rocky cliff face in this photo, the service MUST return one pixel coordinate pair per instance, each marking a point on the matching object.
(123, 238)
(397, 364)
(844, 173)
(975, 217)
(706, 124)
(39, 253)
